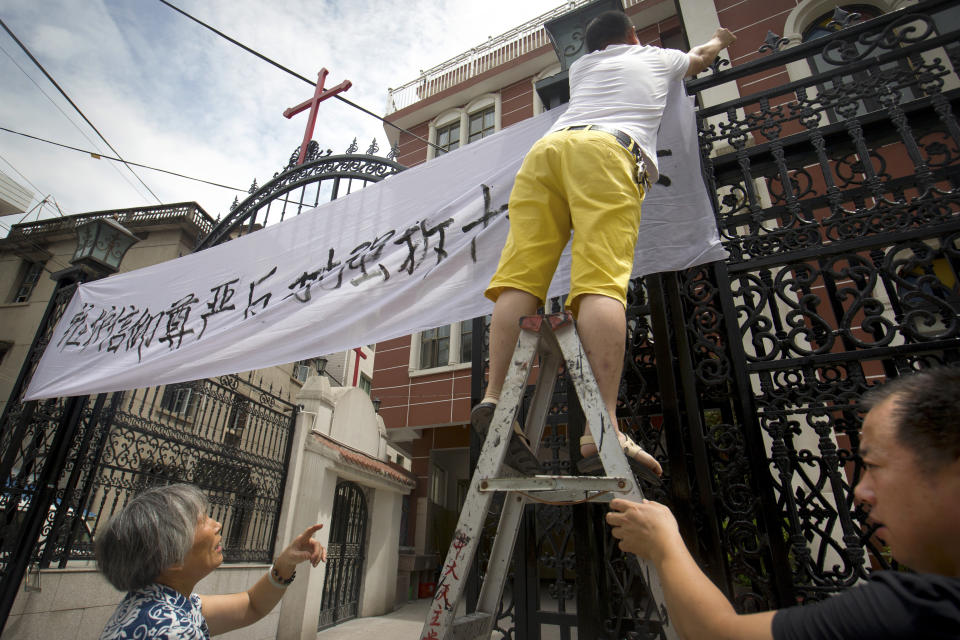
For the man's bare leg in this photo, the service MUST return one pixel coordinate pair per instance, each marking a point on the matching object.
(511, 305)
(602, 326)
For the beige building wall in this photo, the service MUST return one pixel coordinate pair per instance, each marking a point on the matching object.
(75, 604)
(53, 242)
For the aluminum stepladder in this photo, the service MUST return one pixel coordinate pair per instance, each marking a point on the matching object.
(554, 338)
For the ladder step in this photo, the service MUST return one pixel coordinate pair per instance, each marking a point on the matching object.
(534, 484)
(471, 626)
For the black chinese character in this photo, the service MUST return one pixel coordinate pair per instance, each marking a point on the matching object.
(177, 318)
(222, 294)
(265, 299)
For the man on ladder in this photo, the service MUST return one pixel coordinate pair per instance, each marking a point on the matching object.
(588, 174)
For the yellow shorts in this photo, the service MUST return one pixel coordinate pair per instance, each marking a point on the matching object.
(580, 180)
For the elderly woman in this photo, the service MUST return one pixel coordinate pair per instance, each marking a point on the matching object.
(160, 546)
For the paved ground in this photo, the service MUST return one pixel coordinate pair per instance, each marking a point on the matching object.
(403, 624)
(406, 623)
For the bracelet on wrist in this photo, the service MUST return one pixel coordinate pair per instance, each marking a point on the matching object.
(274, 576)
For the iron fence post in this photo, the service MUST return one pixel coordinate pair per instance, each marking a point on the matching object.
(60, 514)
(40, 504)
(756, 451)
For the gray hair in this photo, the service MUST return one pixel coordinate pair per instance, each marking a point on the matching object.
(152, 533)
(926, 412)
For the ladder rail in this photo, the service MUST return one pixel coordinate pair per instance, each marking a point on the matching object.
(594, 409)
(502, 552)
(609, 449)
(554, 339)
(462, 551)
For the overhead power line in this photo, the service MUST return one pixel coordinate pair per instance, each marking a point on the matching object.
(100, 156)
(297, 75)
(123, 176)
(73, 104)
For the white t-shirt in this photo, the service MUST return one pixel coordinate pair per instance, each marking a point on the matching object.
(624, 87)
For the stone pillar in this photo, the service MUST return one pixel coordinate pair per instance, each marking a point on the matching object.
(300, 610)
(383, 554)
(308, 499)
(700, 21)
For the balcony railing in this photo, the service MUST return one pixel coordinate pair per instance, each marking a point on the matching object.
(139, 216)
(498, 51)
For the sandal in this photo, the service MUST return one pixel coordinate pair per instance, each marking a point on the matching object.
(592, 464)
(520, 454)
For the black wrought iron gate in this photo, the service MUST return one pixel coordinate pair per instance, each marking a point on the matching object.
(345, 555)
(837, 194)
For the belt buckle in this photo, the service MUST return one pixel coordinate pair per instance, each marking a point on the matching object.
(642, 177)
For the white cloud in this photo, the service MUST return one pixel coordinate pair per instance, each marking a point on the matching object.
(169, 93)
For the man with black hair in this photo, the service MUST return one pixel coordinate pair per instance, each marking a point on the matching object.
(910, 447)
(588, 175)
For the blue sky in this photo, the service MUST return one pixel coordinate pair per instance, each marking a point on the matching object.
(168, 93)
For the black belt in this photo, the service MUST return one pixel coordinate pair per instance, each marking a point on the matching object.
(625, 141)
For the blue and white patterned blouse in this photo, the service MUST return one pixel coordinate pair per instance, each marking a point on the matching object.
(157, 612)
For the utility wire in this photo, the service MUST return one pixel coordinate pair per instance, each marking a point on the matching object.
(120, 173)
(67, 98)
(297, 75)
(57, 205)
(100, 156)
(36, 206)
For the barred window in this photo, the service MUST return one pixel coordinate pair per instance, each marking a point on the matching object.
(236, 421)
(179, 399)
(30, 275)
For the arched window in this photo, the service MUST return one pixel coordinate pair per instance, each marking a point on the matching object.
(462, 125)
(448, 136)
(828, 23)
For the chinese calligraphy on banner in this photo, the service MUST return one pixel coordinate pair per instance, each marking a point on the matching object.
(411, 252)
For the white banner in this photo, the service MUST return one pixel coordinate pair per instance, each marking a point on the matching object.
(411, 252)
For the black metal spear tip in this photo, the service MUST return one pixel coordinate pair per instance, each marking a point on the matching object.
(353, 147)
(394, 150)
(293, 157)
(772, 43)
(842, 18)
(718, 63)
(253, 186)
(236, 201)
(373, 148)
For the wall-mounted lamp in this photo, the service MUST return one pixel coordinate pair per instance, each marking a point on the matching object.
(101, 244)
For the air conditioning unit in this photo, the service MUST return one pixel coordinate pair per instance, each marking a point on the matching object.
(301, 372)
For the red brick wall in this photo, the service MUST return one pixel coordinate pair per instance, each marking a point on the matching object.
(419, 401)
(516, 102)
